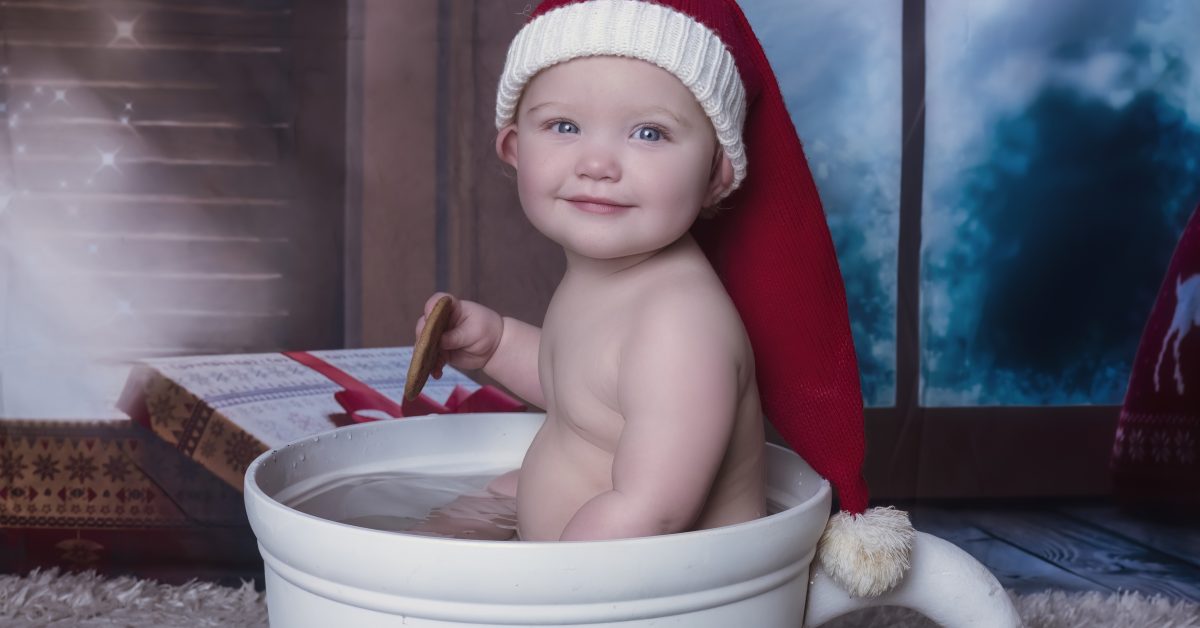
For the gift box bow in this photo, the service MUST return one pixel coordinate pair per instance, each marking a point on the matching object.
(364, 404)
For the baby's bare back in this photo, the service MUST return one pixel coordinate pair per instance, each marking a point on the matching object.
(631, 367)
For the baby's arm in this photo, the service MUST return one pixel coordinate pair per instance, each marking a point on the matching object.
(515, 362)
(477, 337)
(678, 393)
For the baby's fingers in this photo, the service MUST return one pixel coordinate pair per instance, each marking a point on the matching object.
(439, 365)
(437, 296)
(460, 334)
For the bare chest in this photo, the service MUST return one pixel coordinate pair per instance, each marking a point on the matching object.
(579, 367)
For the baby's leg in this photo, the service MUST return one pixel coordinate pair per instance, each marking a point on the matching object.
(484, 516)
(505, 484)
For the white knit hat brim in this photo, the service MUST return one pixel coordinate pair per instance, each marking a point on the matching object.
(642, 30)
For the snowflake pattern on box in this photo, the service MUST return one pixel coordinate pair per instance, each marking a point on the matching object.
(223, 411)
(76, 475)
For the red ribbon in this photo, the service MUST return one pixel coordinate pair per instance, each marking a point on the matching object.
(357, 396)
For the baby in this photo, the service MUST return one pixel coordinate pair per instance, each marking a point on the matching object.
(653, 422)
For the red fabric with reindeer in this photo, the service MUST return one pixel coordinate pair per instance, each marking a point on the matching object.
(1156, 453)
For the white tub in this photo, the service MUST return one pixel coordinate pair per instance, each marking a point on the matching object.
(327, 574)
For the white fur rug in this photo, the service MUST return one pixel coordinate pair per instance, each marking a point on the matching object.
(59, 600)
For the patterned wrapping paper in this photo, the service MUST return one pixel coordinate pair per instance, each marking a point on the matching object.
(108, 495)
(223, 411)
(65, 474)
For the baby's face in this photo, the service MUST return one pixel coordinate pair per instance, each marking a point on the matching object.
(614, 156)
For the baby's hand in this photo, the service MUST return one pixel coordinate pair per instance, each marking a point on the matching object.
(471, 336)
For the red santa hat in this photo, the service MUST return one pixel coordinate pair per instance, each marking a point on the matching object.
(769, 244)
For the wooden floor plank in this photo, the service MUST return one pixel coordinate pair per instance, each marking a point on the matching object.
(1090, 552)
(1015, 568)
(1178, 537)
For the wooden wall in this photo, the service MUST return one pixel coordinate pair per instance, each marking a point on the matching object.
(438, 210)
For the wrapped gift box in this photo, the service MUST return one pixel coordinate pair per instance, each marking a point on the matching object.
(223, 411)
(72, 474)
(158, 494)
(78, 494)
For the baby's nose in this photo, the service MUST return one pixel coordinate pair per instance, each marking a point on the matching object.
(599, 162)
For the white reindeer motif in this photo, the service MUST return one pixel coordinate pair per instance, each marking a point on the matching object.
(1187, 316)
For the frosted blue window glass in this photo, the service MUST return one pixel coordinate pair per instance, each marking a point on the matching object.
(1061, 163)
(838, 66)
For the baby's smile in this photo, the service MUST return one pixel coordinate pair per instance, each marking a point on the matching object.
(597, 205)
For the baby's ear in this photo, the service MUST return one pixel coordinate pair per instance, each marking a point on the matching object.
(506, 144)
(720, 180)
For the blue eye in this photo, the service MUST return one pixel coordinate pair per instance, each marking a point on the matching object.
(565, 127)
(649, 133)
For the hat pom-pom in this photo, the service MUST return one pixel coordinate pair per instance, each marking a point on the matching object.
(867, 554)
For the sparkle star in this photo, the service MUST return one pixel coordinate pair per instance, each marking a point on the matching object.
(107, 160)
(125, 120)
(39, 89)
(125, 31)
(60, 95)
(20, 149)
(128, 106)
(14, 121)
(28, 105)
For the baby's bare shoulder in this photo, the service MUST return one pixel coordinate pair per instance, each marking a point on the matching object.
(684, 340)
(687, 308)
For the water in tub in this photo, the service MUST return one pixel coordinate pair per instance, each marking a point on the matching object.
(446, 505)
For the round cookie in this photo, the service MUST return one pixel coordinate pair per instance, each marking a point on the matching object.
(425, 352)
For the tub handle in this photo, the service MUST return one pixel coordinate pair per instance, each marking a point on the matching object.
(944, 583)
